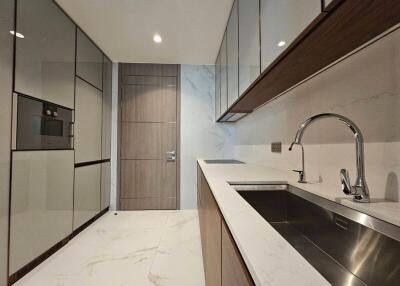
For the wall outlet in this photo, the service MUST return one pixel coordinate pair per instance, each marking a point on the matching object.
(276, 147)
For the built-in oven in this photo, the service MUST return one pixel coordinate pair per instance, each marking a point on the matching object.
(42, 125)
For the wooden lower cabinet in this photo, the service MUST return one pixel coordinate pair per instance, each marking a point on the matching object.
(223, 264)
(234, 271)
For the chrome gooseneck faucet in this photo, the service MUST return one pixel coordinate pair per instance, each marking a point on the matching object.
(360, 190)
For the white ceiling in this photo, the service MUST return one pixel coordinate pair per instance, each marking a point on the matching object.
(191, 29)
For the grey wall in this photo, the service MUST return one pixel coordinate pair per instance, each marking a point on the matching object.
(201, 137)
(364, 87)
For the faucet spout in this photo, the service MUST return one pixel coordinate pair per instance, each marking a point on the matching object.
(360, 189)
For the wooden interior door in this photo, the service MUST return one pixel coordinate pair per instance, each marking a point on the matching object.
(148, 170)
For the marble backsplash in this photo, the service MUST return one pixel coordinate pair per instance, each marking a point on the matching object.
(201, 137)
(364, 87)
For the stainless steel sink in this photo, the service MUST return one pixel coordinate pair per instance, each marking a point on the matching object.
(223, 161)
(346, 246)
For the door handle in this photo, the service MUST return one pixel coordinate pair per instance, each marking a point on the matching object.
(171, 156)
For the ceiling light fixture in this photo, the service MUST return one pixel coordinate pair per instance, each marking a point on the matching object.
(157, 38)
(281, 44)
(19, 35)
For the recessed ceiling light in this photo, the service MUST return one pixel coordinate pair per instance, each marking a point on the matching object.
(157, 38)
(19, 35)
(281, 44)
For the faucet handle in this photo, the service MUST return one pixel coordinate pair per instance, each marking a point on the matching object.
(301, 176)
(345, 181)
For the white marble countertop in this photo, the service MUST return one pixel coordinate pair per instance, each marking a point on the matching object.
(270, 259)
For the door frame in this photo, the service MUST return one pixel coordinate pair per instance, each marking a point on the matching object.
(178, 137)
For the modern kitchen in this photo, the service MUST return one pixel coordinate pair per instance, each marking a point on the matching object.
(199, 142)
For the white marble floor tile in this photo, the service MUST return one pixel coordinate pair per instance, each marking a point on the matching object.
(131, 248)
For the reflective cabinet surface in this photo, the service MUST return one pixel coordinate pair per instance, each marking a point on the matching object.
(107, 108)
(45, 56)
(232, 41)
(41, 203)
(89, 60)
(87, 198)
(88, 122)
(249, 43)
(281, 23)
(6, 59)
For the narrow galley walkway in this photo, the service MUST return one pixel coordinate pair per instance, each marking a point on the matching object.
(132, 248)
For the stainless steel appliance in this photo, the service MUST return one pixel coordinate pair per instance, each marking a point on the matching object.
(42, 125)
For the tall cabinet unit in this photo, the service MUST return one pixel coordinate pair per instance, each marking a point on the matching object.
(106, 134)
(92, 116)
(6, 60)
(42, 177)
(56, 124)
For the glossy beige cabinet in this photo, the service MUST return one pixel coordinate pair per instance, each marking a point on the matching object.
(6, 63)
(45, 57)
(86, 193)
(88, 122)
(224, 77)
(41, 203)
(232, 44)
(249, 43)
(89, 60)
(107, 108)
(281, 23)
(218, 87)
(105, 185)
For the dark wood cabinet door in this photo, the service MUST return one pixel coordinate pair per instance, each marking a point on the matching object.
(234, 271)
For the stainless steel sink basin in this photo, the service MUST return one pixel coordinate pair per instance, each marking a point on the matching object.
(346, 246)
(223, 161)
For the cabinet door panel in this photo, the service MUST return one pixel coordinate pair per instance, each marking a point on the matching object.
(86, 193)
(105, 184)
(41, 203)
(107, 109)
(218, 87)
(88, 117)
(89, 60)
(233, 54)
(224, 77)
(45, 57)
(281, 23)
(6, 77)
(212, 239)
(234, 271)
(249, 43)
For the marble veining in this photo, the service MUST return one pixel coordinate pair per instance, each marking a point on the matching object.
(150, 248)
(200, 135)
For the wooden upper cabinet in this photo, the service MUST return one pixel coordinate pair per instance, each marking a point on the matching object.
(89, 60)
(234, 271)
(249, 43)
(281, 23)
(45, 57)
(232, 44)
